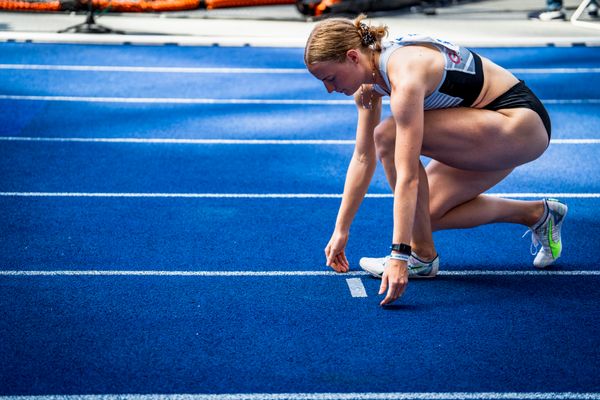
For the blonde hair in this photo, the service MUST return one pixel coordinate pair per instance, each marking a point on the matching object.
(332, 38)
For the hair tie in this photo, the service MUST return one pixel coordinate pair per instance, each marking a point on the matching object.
(367, 37)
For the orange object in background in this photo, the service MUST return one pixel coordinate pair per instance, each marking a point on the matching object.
(211, 4)
(110, 5)
(144, 5)
(324, 5)
(320, 8)
(323, 8)
(53, 5)
(133, 5)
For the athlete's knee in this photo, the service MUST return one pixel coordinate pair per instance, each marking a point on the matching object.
(439, 206)
(436, 211)
(384, 141)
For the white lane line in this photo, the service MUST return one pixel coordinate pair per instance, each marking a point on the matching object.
(571, 101)
(223, 141)
(272, 195)
(575, 141)
(551, 195)
(167, 100)
(228, 70)
(326, 273)
(518, 273)
(182, 141)
(171, 100)
(170, 70)
(357, 289)
(176, 273)
(181, 195)
(328, 396)
(555, 70)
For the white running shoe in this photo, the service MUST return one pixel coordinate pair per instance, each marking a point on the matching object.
(548, 15)
(547, 233)
(417, 268)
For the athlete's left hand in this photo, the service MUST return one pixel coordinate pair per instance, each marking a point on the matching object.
(335, 252)
(394, 279)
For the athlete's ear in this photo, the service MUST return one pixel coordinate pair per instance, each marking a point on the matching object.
(353, 55)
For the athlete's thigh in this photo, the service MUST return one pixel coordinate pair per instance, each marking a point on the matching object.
(478, 139)
(450, 187)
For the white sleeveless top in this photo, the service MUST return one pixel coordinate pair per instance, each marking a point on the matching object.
(454, 89)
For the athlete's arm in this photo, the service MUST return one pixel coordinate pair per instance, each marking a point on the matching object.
(409, 81)
(359, 175)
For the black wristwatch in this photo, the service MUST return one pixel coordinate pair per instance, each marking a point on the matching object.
(401, 248)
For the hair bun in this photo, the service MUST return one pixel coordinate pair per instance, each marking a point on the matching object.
(366, 35)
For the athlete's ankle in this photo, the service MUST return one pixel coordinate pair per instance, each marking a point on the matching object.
(424, 253)
(538, 214)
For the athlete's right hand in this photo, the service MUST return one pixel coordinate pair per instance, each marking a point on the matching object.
(335, 252)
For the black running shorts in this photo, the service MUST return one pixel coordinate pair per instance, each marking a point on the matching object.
(520, 96)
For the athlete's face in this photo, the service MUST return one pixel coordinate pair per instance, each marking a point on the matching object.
(343, 77)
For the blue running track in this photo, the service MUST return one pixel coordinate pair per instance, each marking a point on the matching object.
(164, 211)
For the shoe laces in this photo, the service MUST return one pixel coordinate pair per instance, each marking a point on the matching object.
(535, 241)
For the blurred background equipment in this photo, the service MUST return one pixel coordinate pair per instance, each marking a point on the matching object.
(37, 5)
(314, 8)
(131, 5)
(319, 8)
(212, 4)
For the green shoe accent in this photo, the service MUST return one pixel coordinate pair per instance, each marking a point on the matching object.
(555, 247)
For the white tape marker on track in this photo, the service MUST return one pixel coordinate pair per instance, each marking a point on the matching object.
(357, 289)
